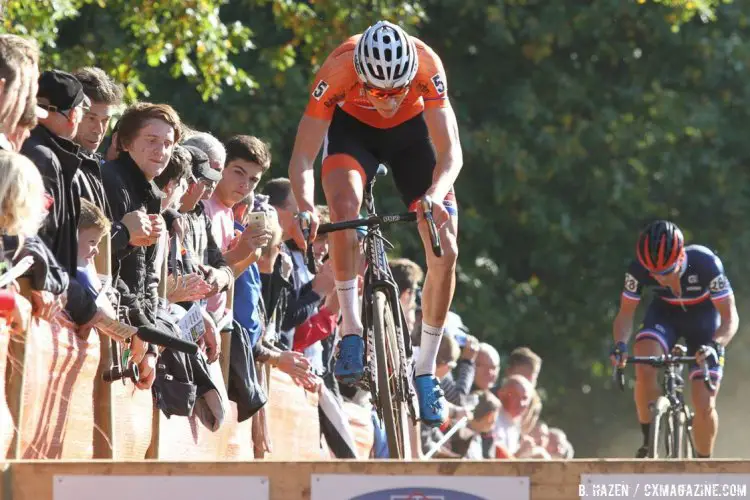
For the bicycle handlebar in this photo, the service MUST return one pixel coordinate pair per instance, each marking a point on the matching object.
(376, 220)
(661, 361)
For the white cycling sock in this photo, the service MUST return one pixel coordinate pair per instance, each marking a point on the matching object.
(351, 320)
(428, 349)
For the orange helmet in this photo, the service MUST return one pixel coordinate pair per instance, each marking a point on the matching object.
(660, 247)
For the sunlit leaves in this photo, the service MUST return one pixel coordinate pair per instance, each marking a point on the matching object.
(186, 36)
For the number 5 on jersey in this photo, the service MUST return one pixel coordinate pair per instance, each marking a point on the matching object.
(437, 81)
(320, 89)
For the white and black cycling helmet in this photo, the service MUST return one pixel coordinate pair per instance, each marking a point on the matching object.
(386, 57)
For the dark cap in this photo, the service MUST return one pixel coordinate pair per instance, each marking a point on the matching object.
(61, 90)
(202, 165)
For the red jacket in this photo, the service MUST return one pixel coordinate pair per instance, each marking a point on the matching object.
(7, 303)
(318, 327)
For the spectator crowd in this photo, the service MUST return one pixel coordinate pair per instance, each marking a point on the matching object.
(196, 252)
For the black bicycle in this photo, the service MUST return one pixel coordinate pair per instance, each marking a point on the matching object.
(388, 350)
(671, 417)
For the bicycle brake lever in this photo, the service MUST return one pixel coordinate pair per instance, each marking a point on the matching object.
(304, 225)
(618, 375)
(434, 235)
(707, 380)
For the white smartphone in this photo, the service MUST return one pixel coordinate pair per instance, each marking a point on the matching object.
(256, 221)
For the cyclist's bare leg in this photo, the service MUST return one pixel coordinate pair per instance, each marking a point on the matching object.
(706, 419)
(647, 388)
(343, 187)
(437, 293)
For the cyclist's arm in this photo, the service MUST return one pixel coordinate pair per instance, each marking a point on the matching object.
(310, 135)
(623, 326)
(443, 128)
(730, 320)
(722, 296)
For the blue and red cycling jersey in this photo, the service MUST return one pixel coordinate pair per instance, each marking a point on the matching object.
(692, 315)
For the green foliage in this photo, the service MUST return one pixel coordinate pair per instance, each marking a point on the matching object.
(131, 35)
(686, 10)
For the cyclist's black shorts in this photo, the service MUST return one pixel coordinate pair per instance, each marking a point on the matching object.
(405, 149)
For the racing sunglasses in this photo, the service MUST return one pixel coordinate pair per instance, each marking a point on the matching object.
(386, 93)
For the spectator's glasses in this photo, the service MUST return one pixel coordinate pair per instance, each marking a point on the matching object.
(208, 183)
(385, 94)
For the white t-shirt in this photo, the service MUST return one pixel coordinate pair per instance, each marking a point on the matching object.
(508, 431)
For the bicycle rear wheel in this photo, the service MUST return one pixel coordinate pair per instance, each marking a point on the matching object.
(660, 441)
(390, 376)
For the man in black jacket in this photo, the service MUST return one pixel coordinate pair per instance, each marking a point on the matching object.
(51, 149)
(147, 135)
(106, 97)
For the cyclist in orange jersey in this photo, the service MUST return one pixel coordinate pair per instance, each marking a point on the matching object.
(382, 97)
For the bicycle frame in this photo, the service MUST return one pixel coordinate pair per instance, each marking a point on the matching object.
(378, 277)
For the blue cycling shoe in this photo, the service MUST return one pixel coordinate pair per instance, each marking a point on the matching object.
(432, 405)
(350, 366)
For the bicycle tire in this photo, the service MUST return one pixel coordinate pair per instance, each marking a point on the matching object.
(394, 412)
(688, 449)
(659, 418)
(678, 434)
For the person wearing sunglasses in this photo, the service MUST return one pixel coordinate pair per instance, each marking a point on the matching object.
(381, 97)
(693, 299)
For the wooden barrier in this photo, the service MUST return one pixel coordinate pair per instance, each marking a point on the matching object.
(293, 420)
(552, 480)
(103, 438)
(56, 419)
(132, 414)
(6, 421)
(58, 410)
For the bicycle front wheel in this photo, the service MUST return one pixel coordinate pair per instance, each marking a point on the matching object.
(390, 376)
(661, 435)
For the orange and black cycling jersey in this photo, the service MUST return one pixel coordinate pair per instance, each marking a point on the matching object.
(337, 84)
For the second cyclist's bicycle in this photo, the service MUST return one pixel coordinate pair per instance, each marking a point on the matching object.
(671, 418)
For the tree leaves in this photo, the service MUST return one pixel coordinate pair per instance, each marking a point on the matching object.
(188, 36)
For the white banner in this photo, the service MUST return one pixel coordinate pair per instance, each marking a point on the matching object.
(367, 487)
(664, 486)
(160, 487)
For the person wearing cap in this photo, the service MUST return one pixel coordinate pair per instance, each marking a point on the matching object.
(52, 150)
(202, 254)
(217, 155)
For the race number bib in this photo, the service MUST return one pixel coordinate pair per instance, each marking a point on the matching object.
(718, 284)
(631, 284)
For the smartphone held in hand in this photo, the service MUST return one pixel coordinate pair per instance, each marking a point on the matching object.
(256, 222)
